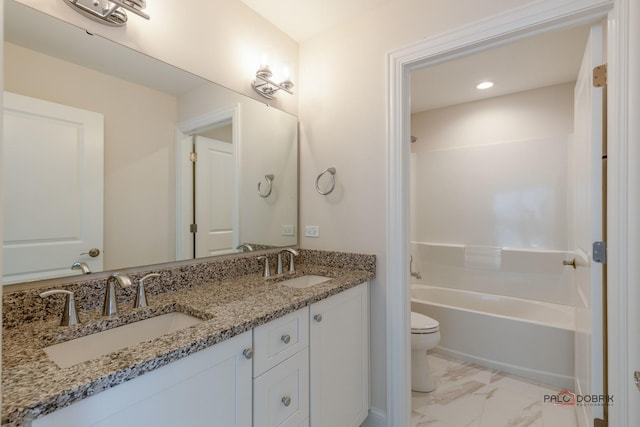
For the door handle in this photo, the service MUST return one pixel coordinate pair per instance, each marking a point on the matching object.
(93, 252)
(636, 379)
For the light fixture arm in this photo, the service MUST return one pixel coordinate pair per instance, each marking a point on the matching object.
(109, 12)
(267, 87)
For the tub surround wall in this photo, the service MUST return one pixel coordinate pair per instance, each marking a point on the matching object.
(489, 195)
(229, 294)
(23, 306)
(520, 273)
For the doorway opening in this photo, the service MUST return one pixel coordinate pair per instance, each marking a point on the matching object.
(517, 24)
(503, 212)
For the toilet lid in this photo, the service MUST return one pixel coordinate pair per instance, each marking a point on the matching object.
(422, 323)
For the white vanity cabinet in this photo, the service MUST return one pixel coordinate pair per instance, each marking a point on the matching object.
(339, 359)
(209, 388)
(281, 371)
(307, 368)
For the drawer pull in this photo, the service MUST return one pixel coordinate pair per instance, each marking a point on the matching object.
(318, 317)
(248, 353)
(286, 338)
(286, 401)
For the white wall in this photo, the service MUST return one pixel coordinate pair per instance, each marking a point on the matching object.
(490, 198)
(139, 186)
(343, 104)
(220, 40)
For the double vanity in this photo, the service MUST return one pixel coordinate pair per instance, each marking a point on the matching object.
(218, 344)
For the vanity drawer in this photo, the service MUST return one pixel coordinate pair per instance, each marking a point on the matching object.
(281, 395)
(279, 339)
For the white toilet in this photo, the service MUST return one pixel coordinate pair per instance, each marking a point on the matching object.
(425, 335)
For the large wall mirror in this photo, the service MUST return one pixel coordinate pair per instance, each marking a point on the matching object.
(113, 159)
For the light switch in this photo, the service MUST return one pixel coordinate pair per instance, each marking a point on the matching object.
(312, 230)
(288, 230)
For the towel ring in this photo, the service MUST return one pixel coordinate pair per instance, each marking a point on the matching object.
(269, 179)
(332, 171)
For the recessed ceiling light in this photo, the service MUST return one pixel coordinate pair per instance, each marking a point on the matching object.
(484, 85)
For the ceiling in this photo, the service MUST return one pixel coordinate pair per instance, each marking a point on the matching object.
(534, 62)
(302, 19)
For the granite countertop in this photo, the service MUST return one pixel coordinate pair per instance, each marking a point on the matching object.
(32, 385)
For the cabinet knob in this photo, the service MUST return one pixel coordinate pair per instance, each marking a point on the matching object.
(318, 317)
(286, 338)
(286, 400)
(248, 353)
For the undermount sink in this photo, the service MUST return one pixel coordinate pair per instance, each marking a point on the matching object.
(305, 281)
(92, 346)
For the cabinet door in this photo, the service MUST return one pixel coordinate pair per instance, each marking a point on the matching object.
(339, 359)
(209, 388)
(281, 395)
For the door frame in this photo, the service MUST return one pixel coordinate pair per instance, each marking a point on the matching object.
(184, 186)
(624, 164)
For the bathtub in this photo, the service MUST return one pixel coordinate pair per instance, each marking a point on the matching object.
(528, 338)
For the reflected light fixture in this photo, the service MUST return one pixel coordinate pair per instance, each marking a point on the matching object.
(109, 12)
(484, 85)
(268, 88)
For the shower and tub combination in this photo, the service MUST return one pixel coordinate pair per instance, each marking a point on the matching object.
(485, 325)
(531, 339)
(495, 223)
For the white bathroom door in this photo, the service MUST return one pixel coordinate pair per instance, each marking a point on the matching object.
(215, 199)
(588, 223)
(53, 188)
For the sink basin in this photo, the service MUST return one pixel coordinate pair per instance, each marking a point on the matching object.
(305, 281)
(89, 347)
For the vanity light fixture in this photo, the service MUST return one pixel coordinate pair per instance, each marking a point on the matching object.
(268, 88)
(484, 85)
(109, 12)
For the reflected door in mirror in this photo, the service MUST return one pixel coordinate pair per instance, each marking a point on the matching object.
(214, 202)
(53, 187)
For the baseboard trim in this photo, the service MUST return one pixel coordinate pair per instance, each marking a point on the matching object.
(377, 418)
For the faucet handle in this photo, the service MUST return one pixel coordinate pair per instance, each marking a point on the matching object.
(70, 313)
(141, 294)
(292, 253)
(266, 272)
(279, 269)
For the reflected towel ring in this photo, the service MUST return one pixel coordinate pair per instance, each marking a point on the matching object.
(269, 179)
(332, 171)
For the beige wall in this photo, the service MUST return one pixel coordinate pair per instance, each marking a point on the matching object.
(220, 40)
(139, 186)
(343, 123)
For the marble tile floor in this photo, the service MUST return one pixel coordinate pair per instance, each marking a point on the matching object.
(468, 395)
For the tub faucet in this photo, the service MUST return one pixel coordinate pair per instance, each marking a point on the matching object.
(81, 265)
(415, 274)
(110, 306)
(245, 247)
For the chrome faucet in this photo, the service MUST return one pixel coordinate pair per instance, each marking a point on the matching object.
(245, 247)
(81, 265)
(266, 272)
(110, 306)
(292, 253)
(141, 294)
(70, 313)
(415, 274)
